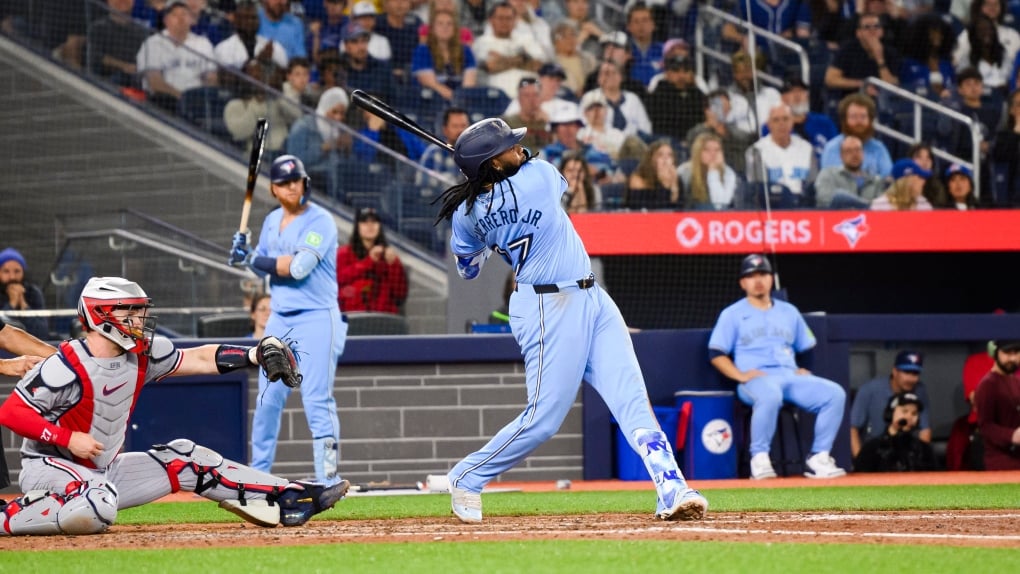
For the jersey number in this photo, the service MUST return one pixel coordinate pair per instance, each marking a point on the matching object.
(523, 243)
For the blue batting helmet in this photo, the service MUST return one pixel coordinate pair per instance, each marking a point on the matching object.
(288, 168)
(483, 141)
(755, 263)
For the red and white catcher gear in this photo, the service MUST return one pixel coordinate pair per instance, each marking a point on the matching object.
(87, 507)
(101, 297)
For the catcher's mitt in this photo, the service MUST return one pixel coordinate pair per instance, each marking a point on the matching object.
(277, 360)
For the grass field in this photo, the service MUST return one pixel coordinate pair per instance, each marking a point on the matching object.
(617, 556)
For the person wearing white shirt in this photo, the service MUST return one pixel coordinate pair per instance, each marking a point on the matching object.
(506, 59)
(1009, 38)
(176, 60)
(782, 156)
(364, 13)
(742, 91)
(246, 44)
(597, 132)
(625, 110)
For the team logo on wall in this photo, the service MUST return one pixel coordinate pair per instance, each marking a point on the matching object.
(717, 436)
(853, 229)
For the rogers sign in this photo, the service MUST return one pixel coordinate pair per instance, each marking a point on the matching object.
(692, 233)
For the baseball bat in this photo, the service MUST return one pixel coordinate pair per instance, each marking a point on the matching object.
(380, 108)
(384, 485)
(258, 144)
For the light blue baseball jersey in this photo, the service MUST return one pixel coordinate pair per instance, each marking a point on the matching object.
(761, 339)
(315, 231)
(538, 241)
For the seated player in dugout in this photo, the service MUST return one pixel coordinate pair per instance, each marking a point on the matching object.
(73, 409)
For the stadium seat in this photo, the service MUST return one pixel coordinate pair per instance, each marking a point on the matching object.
(224, 325)
(373, 323)
(481, 102)
(612, 195)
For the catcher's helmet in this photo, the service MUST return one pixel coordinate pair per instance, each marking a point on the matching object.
(288, 168)
(101, 297)
(483, 141)
(755, 263)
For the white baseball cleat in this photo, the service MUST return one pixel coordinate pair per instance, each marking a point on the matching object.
(761, 466)
(821, 465)
(688, 505)
(467, 506)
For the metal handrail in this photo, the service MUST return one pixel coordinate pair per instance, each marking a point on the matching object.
(920, 101)
(702, 50)
(161, 245)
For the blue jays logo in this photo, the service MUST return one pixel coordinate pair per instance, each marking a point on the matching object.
(287, 167)
(717, 436)
(853, 229)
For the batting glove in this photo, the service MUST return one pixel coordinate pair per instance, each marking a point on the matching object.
(241, 253)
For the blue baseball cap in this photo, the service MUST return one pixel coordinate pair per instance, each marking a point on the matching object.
(957, 168)
(353, 31)
(907, 166)
(909, 361)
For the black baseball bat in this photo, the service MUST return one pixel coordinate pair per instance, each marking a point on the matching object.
(380, 108)
(257, 145)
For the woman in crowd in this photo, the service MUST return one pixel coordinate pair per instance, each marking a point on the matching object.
(987, 54)
(368, 272)
(709, 182)
(934, 191)
(927, 67)
(582, 193)
(960, 190)
(655, 183)
(442, 63)
(319, 141)
(259, 310)
(905, 193)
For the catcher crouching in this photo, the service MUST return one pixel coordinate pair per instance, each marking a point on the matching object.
(73, 408)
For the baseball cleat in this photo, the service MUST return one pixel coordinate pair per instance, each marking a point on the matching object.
(761, 466)
(688, 505)
(821, 465)
(467, 506)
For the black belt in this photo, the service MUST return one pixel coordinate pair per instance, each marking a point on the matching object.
(586, 283)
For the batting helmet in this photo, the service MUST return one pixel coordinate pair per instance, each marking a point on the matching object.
(483, 141)
(104, 295)
(289, 168)
(755, 263)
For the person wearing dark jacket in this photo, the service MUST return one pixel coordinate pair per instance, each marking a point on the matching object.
(898, 449)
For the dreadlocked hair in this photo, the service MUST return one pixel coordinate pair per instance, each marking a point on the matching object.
(469, 191)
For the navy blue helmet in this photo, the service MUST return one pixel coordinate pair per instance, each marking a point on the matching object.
(483, 141)
(755, 263)
(288, 168)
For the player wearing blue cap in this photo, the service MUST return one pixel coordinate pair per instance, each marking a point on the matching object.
(297, 249)
(568, 328)
(763, 335)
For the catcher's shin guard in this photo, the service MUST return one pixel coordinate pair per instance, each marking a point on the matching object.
(88, 508)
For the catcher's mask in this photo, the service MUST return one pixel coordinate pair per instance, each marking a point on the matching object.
(132, 329)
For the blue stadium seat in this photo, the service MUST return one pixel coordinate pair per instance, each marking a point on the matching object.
(481, 102)
(612, 195)
(422, 105)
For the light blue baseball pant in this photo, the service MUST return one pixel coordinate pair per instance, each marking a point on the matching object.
(564, 337)
(320, 336)
(766, 394)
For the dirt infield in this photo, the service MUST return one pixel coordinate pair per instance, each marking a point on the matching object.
(979, 528)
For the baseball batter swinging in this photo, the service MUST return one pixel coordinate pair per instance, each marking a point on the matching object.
(568, 328)
(73, 409)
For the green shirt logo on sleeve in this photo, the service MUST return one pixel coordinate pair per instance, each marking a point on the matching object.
(313, 239)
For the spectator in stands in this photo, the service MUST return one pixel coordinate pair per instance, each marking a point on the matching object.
(369, 274)
(968, 100)
(988, 54)
(817, 129)
(626, 112)
(532, 115)
(565, 124)
(1006, 149)
(959, 186)
(964, 448)
(246, 43)
(897, 448)
(251, 103)
(320, 144)
(749, 108)
(927, 67)
(442, 63)
(923, 156)
(646, 52)
(720, 121)
(615, 48)
(997, 36)
(676, 47)
(363, 72)
(213, 24)
(529, 27)
(782, 156)
(365, 14)
(296, 90)
(60, 25)
(787, 18)
(175, 60)
(439, 159)
(19, 294)
(551, 93)
(764, 344)
(863, 56)
(113, 43)
(833, 22)
(590, 29)
(676, 105)
(259, 311)
(473, 16)
(575, 63)
(893, 17)
(379, 131)
(277, 23)
(505, 58)
(867, 419)
(709, 183)
(582, 193)
(847, 185)
(326, 34)
(400, 27)
(906, 191)
(465, 34)
(598, 133)
(998, 408)
(655, 183)
(857, 114)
